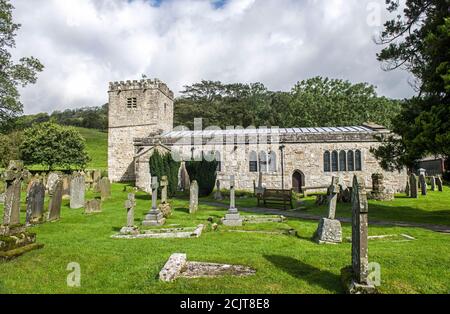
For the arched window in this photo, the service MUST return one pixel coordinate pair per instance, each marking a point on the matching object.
(358, 163)
(326, 161)
(253, 164)
(342, 161)
(334, 161)
(350, 161)
(272, 161)
(219, 160)
(262, 161)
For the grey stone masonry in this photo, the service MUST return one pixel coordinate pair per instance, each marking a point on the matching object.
(155, 217)
(232, 218)
(173, 267)
(413, 185)
(193, 197)
(35, 202)
(13, 176)
(77, 191)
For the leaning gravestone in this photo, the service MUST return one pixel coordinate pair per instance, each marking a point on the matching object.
(154, 217)
(14, 176)
(77, 191)
(329, 229)
(439, 183)
(232, 218)
(105, 188)
(93, 206)
(413, 185)
(193, 198)
(423, 184)
(35, 202)
(54, 207)
(433, 183)
(358, 282)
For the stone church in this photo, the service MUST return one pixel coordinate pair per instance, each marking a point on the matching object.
(141, 121)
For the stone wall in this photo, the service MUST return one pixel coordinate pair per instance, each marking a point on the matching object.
(152, 114)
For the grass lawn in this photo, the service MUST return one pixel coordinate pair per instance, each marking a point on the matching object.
(284, 264)
(96, 147)
(434, 208)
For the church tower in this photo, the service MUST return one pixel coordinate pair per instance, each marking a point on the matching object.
(136, 109)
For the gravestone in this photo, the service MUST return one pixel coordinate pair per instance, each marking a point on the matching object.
(77, 191)
(35, 202)
(154, 217)
(329, 229)
(93, 206)
(413, 185)
(439, 183)
(130, 228)
(105, 188)
(232, 218)
(14, 175)
(218, 194)
(88, 179)
(423, 184)
(407, 189)
(54, 207)
(52, 178)
(379, 192)
(193, 197)
(433, 183)
(260, 188)
(359, 280)
(164, 206)
(66, 186)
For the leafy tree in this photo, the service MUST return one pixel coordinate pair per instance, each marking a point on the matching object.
(52, 145)
(12, 75)
(9, 147)
(205, 173)
(418, 41)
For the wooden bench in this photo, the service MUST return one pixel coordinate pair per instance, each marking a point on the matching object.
(305, 189)
(275, 196)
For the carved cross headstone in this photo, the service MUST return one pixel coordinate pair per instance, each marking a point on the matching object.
(35, 201)
(232, 195)
(232, 218)
(164, 186)
(130, 203)
(54, 210)
(423, 184)
(193, 197)
(333, 191)
(360, 209)
(14, 175)
(155, 216)
(413, 185)
(439, 183)
(433, 183)
(155, 187)
(77, 191)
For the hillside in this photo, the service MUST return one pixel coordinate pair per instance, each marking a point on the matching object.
(97, 147)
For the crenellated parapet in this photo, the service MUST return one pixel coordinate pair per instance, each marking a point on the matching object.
(141, 85)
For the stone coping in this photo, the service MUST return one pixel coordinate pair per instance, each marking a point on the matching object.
(188, 232)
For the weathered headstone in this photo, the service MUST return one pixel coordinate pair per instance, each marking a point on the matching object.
(96, 177)
(193, 197)
(66, 186)
(433, 183)
(54, 207)
(218, 194)
(329, 229)
(423, 184)
(88, 179)
(154, 217)
(52, 178)
(130, 228)
(105, 188)
(93, 206)
(379, 192)
(260, 188)
(77, 191)
(407, 188)
(13, 176)
(439, 183)
(413, 185)
(232, 218)
(35, 202)
(164, 206)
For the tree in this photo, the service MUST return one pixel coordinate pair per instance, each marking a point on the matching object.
(418, 41)
(53, 146)
(164, 165)
(205, 173)
(12, 75)
(9, 147)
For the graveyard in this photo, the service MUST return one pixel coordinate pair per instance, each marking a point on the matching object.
(284, 261)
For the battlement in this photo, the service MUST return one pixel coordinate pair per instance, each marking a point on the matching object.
(141, 84)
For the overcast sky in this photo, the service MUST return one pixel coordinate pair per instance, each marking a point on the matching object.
(84, 44)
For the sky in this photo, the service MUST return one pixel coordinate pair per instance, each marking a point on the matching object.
(85, 44)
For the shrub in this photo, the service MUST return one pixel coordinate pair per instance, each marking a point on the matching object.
(164, 165)
(205, 173)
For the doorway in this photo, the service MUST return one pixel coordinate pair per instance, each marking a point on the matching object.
(298, 181)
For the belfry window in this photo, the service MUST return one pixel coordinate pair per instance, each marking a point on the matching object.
(132, 103)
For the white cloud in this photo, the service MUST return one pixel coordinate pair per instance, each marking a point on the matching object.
(84, 44)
